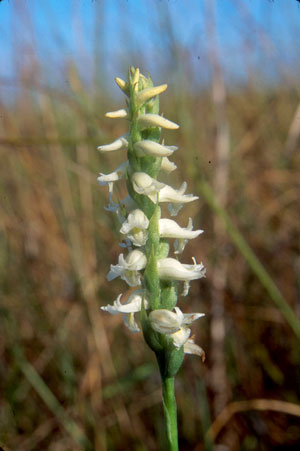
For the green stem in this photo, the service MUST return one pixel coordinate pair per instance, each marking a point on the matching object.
(170, 411)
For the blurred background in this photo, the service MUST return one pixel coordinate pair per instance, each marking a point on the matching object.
(73, 377)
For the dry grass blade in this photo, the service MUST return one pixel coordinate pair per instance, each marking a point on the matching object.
(234, 408)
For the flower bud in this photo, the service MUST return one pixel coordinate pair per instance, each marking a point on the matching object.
(119, 144)
(148, 93)
(147, 147)
(122, 85)
(154, 120)
(117, 114)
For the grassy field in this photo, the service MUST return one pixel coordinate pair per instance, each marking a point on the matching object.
(72, 377)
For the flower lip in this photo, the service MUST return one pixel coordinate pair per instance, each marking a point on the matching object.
(190, 347)
(135, 227)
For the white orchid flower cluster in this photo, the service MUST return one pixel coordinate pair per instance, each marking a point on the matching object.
(147, 264)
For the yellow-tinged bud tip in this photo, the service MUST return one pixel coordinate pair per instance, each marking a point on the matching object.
(121, 83)
(148, 93)
(116, 114)
(136, 76)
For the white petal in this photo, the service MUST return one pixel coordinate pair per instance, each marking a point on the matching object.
(164, 321)
(187, 318)
(169, 194)
(136, 219)
(171, 269)
(181, 336)
(167, 165)
(154, 120)
(113, 309)
(118, 174)
(144, 184)
(128, 268)
(135, 227)
(130, 322)
(147, 147)
(191, 348)
(132, 305)
(117, 114)
(170, 229)
(136, 260)
(119, 144)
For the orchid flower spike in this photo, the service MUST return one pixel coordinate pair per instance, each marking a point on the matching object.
(147, 262)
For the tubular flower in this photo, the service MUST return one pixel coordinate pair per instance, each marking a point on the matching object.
(157, 191)
(146, 261)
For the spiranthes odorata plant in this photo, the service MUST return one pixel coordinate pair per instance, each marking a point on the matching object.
(146, 263)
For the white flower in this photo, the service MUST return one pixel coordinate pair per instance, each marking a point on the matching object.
(128, 309)
(154, 120)
(171, 269)
(119, 144)
(170, 229)
(117, 114)
(144, 184)
(135, 227)
(148, 147)
(176, 198)
(174, 324)
(127, 268)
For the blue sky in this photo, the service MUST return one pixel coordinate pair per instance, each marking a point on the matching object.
(261, 34)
